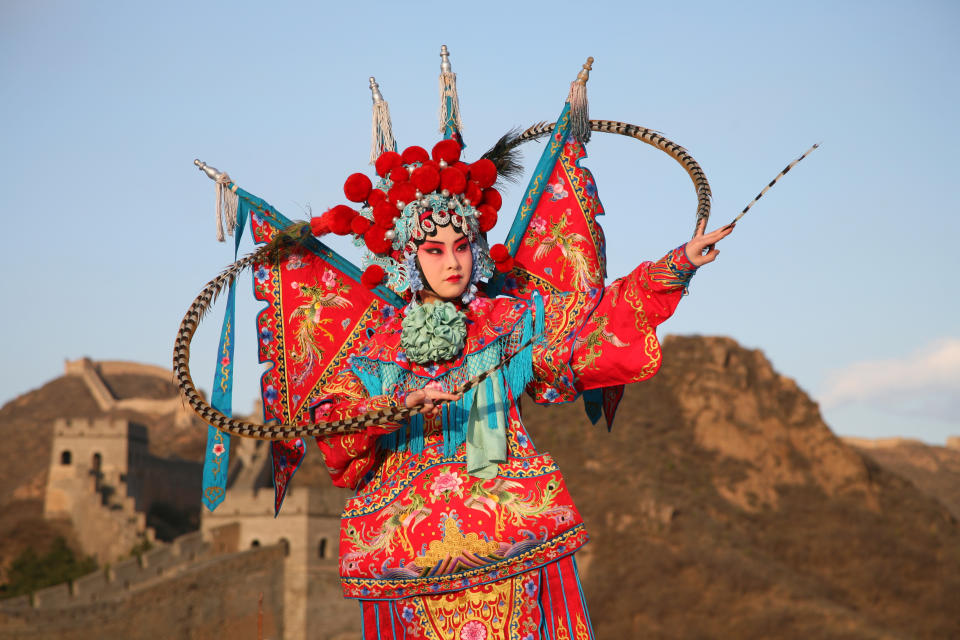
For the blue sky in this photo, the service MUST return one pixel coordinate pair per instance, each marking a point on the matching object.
(842, 274)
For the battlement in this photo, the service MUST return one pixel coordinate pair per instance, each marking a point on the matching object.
(115, 367)
(115, 582)
(299, 501)
(123, 368)
(99, 428)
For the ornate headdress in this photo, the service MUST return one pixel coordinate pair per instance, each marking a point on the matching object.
(416, 192)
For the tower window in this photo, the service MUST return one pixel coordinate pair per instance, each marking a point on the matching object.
(65, 458)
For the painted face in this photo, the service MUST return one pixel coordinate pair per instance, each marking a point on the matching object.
(447, 262)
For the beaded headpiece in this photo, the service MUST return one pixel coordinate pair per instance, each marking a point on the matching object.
(415, 193)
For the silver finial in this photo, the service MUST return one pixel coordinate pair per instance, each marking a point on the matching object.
(212, 172)
(445, 60)
(584, 74)
(375, 91)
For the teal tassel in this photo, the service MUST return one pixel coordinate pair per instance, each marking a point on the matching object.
(520, 370)
(416, 434)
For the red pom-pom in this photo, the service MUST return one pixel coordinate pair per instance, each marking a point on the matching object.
(360, 225)
(446, 150)
(453, 180)
(492, 197)
(399, 174)
(426, 179)
(376, 241)
(357, 187)
(414, 154)
(384, 214)
(386, 162)
(487, 219)
(339, 218)
(376, 197)
(473, 193)
(403, 192)
(318, 226)
(504, 266)
(463, 166)
(499, 253)
(373, 276)
(484, 172)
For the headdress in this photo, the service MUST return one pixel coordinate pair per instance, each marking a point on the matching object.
(415, 193)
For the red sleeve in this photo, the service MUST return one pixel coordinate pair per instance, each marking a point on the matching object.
(618, 343)
(350, 456)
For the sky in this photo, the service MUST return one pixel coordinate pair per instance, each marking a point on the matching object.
(841, 274)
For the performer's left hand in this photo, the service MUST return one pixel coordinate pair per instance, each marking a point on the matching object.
(702, 249)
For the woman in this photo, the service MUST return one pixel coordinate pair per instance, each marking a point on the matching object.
(460, 528)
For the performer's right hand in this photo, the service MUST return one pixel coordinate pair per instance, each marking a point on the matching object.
(428, 398)
(702, 249)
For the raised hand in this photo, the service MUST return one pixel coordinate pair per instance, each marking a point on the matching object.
(428, 397)
(702, 247)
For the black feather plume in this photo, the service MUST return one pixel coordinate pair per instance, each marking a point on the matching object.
(506, 156)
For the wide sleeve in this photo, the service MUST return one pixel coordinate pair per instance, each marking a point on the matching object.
(618, 343)
(350, 456)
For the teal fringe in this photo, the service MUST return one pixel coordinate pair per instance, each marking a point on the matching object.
(377, 376)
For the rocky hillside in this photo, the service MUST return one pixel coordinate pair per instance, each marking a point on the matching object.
(934, 470)
(722, 506)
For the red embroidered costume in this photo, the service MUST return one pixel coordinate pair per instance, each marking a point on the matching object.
(433, 552)
(460, 529)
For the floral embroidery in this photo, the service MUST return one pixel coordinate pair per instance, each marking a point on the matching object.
(445, 485)
(473, 630)
(328, 279)
(270, 394)
(556, 191)
(295, 261)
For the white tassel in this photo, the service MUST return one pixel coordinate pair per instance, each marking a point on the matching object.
(227, 203)
(449, 109)
(382, 132)
(579, 107)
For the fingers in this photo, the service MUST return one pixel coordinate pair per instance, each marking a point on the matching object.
(709, 256)
(429, 408)
(701, 227)
(429, 399)
(719, 234)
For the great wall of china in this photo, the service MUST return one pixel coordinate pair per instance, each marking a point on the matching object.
(103, 478)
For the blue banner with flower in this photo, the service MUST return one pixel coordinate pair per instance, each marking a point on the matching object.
(217, 457)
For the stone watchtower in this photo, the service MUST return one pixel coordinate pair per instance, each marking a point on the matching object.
(90, 482)
(309, 528)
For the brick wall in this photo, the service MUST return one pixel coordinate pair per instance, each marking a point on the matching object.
(216, 597)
